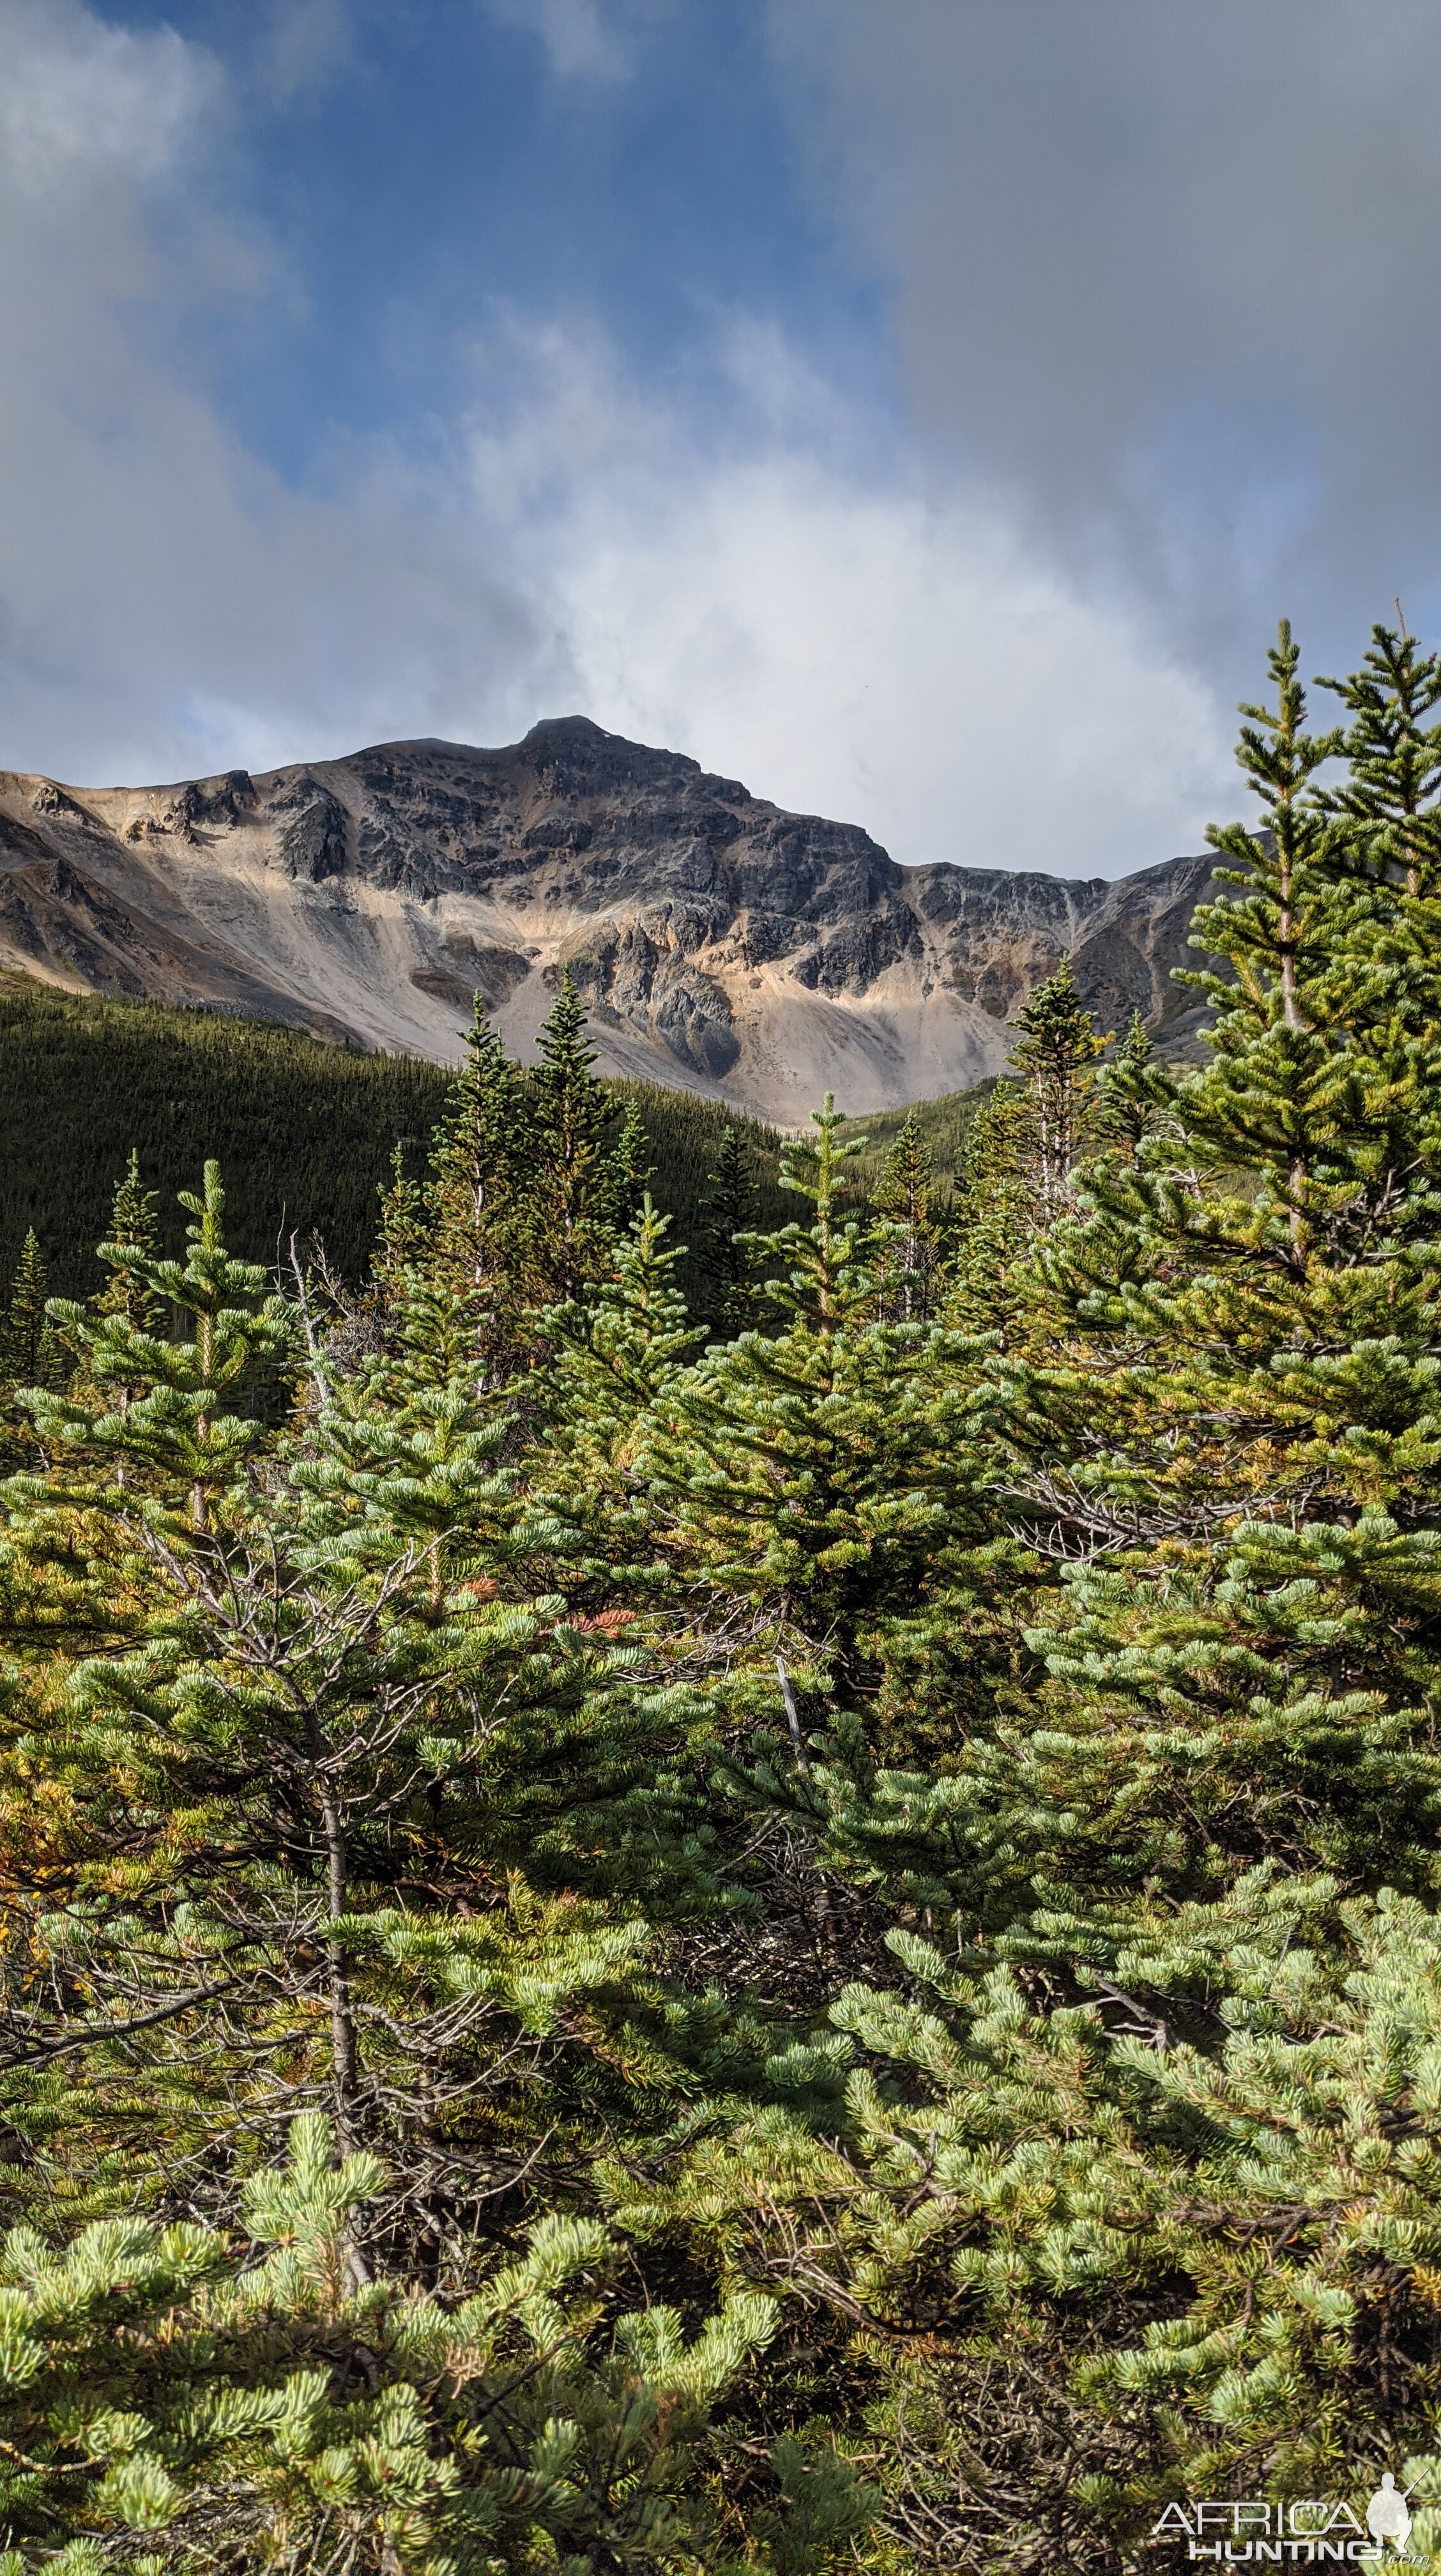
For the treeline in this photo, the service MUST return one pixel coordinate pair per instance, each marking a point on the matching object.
(304, 1131)
(795, 1941)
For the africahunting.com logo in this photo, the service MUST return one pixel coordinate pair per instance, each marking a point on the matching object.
(1312, 2529)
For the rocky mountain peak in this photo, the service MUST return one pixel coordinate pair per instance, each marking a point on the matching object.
(722, 943)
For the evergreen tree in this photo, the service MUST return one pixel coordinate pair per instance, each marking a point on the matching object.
(476, 1233)
(824, 1480)
(131, 1249)
(729, 1216)
(181, 1424)
(614, 1359)
(604, 1944)
(905, 1242)
(1128, 1108)
(1392, 792)
(992, 1218)
(29, 1350)
(402, 1227)
(576, 1176)
(632, 1170)
(1218, 1410)
(1219, 1425)
(517, 2430)
(1055, 1059)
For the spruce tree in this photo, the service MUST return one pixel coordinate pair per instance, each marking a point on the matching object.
(823, 1482)
(29, 1341)
(576, 1177)
(131, 1248)
(474, 1233)
(1128, 1111)
(992, 1218)
(729, 1215)
(1055, 1060)
(905, 1245)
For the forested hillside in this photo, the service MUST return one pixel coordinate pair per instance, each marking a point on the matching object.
(941, 1126)
(801, 1941)
(305, 1132)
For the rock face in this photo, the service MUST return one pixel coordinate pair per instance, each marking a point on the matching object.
(724, 946)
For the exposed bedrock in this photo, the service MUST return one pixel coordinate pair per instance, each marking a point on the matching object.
(722, 945)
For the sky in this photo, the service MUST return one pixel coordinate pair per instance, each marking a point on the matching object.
(921, 410)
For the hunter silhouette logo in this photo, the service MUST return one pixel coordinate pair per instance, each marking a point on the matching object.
(1388, 2515)
(1308, 2531)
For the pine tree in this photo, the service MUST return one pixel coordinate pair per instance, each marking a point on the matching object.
(1055, 1059)
(905, 1245)
(29, 1349)
(131, 1248)
(992, 1218)
(576, 1178)
(182, 1423)
(508, 2433)
(1164, 2273)
(1128, 1107)
(730, 1208)
(474, 1233)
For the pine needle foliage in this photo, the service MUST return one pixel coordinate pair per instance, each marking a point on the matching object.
(797, 1936)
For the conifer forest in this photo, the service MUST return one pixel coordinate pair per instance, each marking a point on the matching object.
(790, 1928)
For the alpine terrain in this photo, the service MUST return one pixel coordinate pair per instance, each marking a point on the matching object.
(722, 945)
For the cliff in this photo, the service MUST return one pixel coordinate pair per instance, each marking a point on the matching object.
(725, 946)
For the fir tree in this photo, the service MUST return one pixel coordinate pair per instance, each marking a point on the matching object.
(29, 1346)
(1055, 1059)
(1128, 1107)
(1220, 1427)
(614, 1360)
(825, 1477)
(1393, 757)
(181, 1423)
(632, 1170)
(905, 1246)
(402, 1227)
(130, 1250)
(729, 1216)
(576, 1178)
(992, 1217)
(474, 1235)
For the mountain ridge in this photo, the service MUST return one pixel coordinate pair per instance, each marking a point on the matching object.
(723, 944)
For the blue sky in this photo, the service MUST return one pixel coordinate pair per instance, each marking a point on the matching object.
(920, 411)
(416, 165)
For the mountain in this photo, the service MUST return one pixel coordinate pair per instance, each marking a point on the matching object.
(725, 946)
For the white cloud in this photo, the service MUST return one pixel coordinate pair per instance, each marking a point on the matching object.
(846, 645)
(80, 98)
(763, 594)
(583, 39)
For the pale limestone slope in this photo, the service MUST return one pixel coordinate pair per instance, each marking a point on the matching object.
(723, 946)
